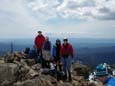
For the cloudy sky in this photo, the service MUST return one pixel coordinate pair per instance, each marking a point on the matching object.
(73, 18)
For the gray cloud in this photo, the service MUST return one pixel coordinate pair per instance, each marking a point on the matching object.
(78, 9)
(75, 4)
(104, 10)
(107, 16)
(104, 13)
(22, 18)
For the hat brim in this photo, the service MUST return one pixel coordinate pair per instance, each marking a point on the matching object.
(101, 75)
(65, 40)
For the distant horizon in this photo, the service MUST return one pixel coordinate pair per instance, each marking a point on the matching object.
(59, 37)
(71, 39)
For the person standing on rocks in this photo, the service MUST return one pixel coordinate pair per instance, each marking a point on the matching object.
(67, 57)
(102, 75)
(56, 54)
(39, 42)
(47, 53)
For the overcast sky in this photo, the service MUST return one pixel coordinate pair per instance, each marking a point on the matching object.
(73, 18)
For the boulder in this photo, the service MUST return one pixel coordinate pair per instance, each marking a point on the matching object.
(18, 84)
(16, 56)
(36, 67)
(39, 81)
(81, 70)
(8, 73)
(1, 60)
(95, 83)
(9, 58)
(14, 71)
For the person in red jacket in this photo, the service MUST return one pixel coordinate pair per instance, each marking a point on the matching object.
(67, 58)
(39, 42)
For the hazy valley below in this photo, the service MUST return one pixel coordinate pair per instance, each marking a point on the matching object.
(88, 51)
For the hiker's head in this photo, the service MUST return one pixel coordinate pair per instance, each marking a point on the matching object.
(101, 72)
(39, 32)
(58, 41)
(65, 40)
(47, 38)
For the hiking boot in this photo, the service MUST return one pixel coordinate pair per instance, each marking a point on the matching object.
(70, 78)
(60, 67)
(65, 77)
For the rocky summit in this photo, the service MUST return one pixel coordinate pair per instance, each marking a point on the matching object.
(14, 71)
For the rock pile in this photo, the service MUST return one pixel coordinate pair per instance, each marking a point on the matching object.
(14, 71)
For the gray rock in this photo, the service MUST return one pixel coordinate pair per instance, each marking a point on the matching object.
(8, 73)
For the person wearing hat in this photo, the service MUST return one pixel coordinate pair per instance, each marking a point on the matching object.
(39, 42)
(103, 75)
(67, 55)
(56, 54)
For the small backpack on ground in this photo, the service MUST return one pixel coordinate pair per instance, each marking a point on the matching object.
(26, 51)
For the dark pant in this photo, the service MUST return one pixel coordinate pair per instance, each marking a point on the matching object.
(39, 52)
(40, 58)
(39, 55)
(58, 65)
(45, 64)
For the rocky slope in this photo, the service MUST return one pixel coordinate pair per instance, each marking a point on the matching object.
(14, 71)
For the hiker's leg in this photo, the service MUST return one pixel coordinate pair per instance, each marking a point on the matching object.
(56, 67)
(44, 63)
(42, 60)
(60, 67)
(70, 78)
(59, 64)
(56, 63)
(48, 64)
(39, 59)
(64, 64)
(69, 68)
(40, 53)
(64, 68)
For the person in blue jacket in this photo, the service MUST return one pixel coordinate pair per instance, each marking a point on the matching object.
(56, 54)
(32, 54)
(103, 75)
